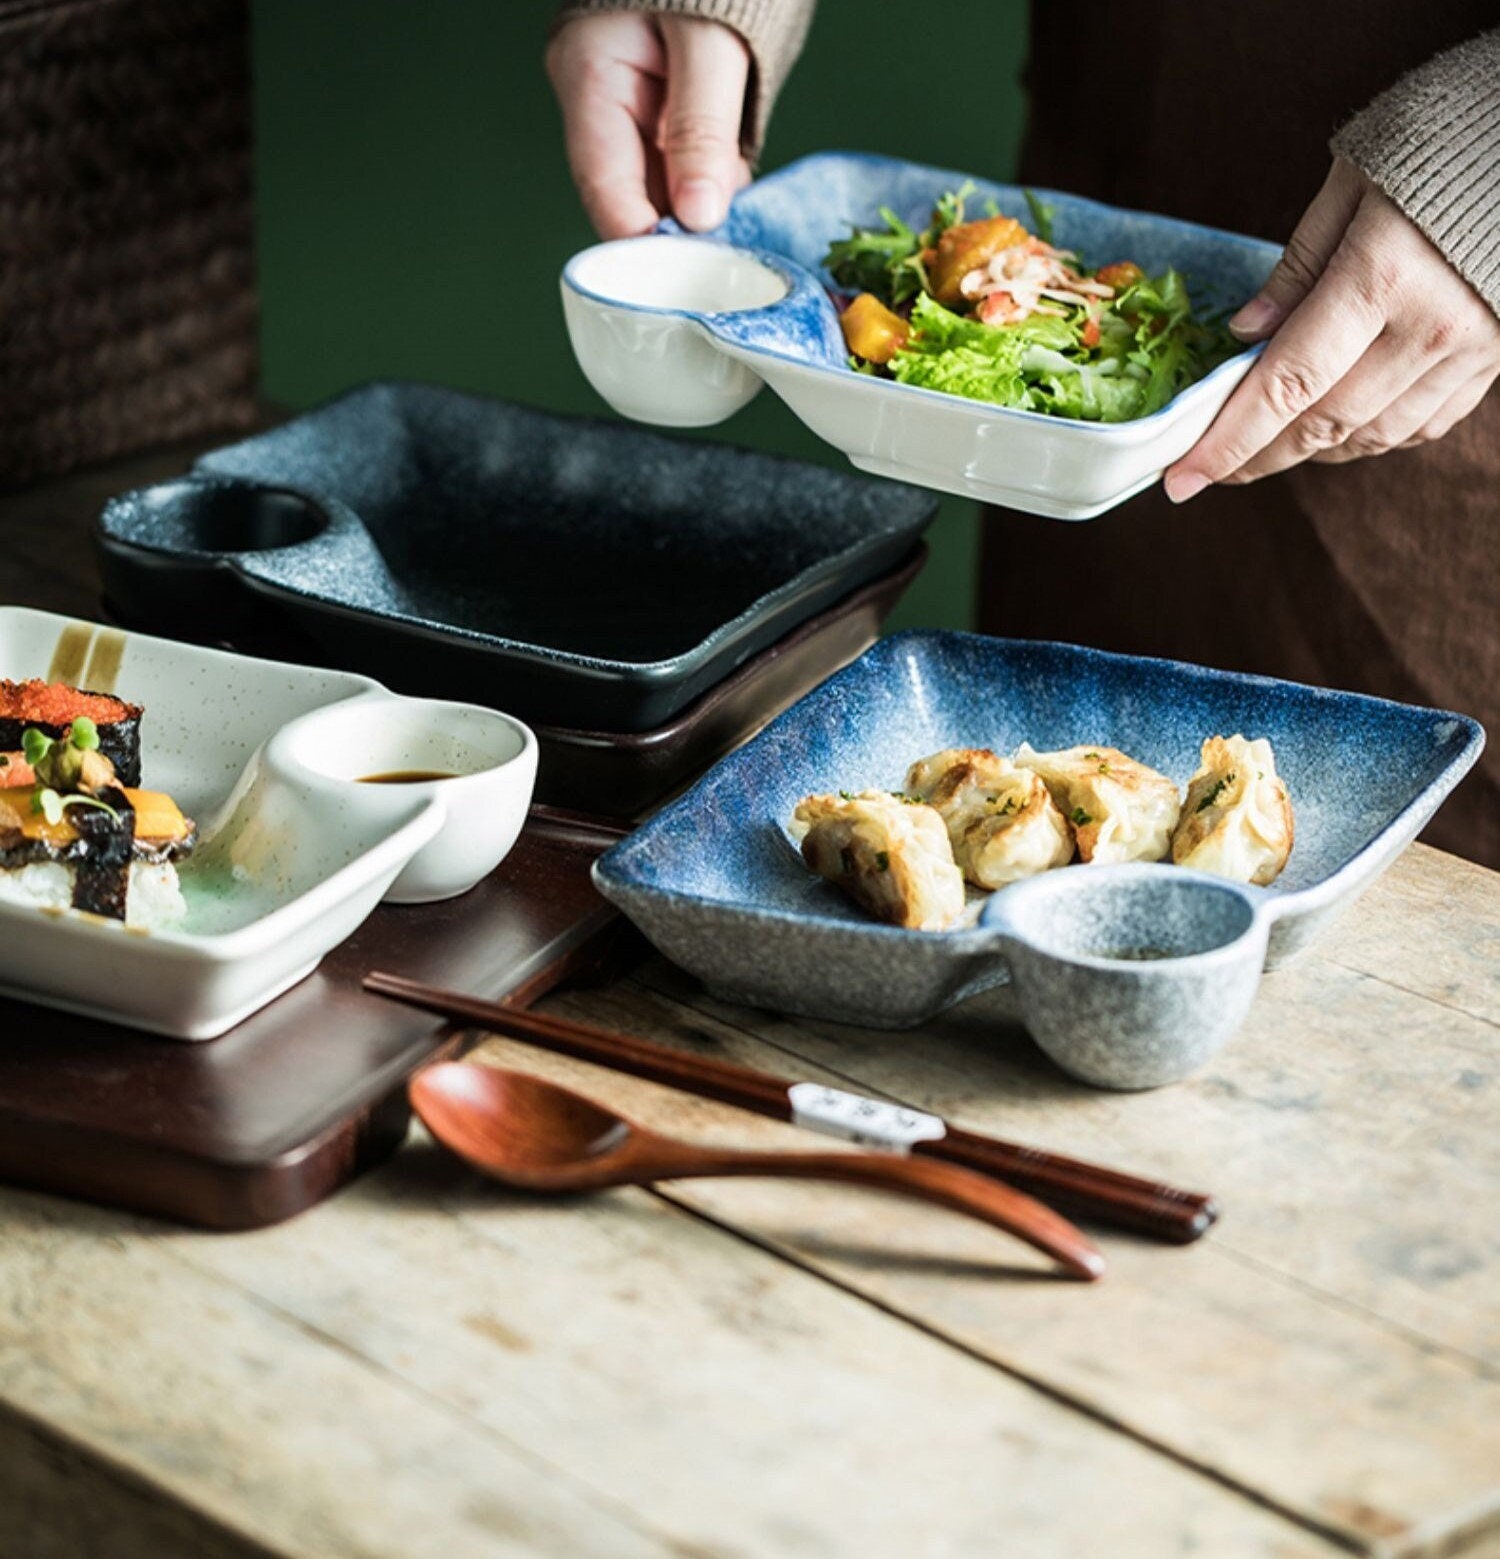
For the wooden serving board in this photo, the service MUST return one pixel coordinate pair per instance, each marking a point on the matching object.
(263, 1122)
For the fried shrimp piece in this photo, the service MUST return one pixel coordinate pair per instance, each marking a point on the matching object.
(964, 248)
(1120, 809)
(890, 856)
(1001, 820)
(1237, 821)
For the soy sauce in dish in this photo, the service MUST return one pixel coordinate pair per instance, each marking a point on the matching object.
(407, 777)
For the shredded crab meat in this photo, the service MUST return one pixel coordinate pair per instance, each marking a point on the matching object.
(1014, 282)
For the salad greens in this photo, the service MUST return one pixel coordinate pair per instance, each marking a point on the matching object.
(987, 310)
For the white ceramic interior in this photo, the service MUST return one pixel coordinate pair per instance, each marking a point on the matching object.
(491, 756)
(630, 307)
(286, 866)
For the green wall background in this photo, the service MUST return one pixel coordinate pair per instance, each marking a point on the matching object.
(415, 208)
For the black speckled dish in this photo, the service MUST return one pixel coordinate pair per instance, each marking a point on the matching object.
(574, 572)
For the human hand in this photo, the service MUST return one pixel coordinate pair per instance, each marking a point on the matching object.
(652, 107)
(1377, 343)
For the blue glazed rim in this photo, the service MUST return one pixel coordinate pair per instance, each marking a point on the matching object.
(804, 286)
(614, 867)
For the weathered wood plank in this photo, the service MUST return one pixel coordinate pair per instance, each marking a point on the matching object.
(741, 1405)
(1430, 925)
(1355, 1264)
(1344, 1106)
(62, 1504)
(251, 1425)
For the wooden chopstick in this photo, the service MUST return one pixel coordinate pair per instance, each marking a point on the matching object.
(1084, 1190)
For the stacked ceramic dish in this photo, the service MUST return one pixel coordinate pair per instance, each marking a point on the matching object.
(645, 602)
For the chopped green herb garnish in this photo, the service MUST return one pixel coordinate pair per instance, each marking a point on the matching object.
(846, 795)
(1042, 213)
(1080, 818)
(1214, 792)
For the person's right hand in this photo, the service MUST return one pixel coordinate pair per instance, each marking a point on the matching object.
(652, 108)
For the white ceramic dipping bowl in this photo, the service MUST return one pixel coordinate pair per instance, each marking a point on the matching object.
(628, 305)
(491, 758)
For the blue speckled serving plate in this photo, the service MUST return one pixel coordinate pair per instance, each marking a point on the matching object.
(574, 572)
(714, 881)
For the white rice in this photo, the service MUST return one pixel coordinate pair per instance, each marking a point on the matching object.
(154, 898)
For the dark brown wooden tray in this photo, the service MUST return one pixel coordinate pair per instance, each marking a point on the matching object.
(250, 1128)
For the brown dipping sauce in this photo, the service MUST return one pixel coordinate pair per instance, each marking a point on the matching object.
(406, 777)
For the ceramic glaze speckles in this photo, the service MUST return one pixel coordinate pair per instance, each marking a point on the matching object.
(717, 885)
(693, 350)
(575, 572)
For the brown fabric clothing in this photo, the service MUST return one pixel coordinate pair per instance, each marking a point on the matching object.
(1432, 143)
(1382, 575)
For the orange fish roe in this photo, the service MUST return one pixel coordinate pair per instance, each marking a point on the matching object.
(55, 703)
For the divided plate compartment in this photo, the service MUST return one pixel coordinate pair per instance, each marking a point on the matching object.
(682, 330)
(716, 884)
(573, 572)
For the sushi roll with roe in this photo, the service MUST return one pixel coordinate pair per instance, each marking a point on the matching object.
(73, 836)
(51, 707)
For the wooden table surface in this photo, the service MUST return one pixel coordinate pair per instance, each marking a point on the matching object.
(430, 1366)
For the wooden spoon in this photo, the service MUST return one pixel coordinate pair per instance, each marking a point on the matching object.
(530, 1133)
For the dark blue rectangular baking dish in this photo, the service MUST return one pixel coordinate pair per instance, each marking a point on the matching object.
(573, 571)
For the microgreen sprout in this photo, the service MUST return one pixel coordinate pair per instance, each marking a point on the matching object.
(52, 806)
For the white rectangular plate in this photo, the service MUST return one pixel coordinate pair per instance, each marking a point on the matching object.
(281, 875)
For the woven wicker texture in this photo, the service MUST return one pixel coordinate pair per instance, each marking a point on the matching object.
(127, 287)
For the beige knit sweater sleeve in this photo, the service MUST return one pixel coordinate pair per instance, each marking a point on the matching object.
(773, 29)
(1432, 143)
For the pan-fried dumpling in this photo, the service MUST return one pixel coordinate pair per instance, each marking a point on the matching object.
(892, 857)
(1120, 810)
(1237, 821)
(1002, 822)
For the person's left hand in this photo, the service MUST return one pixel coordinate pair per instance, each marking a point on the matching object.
(1378, 344)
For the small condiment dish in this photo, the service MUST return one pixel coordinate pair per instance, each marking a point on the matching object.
(639, 310)
(370, 748)
(1131, 976)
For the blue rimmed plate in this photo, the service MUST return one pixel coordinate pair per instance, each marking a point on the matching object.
(683, 331)
(715, 883)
